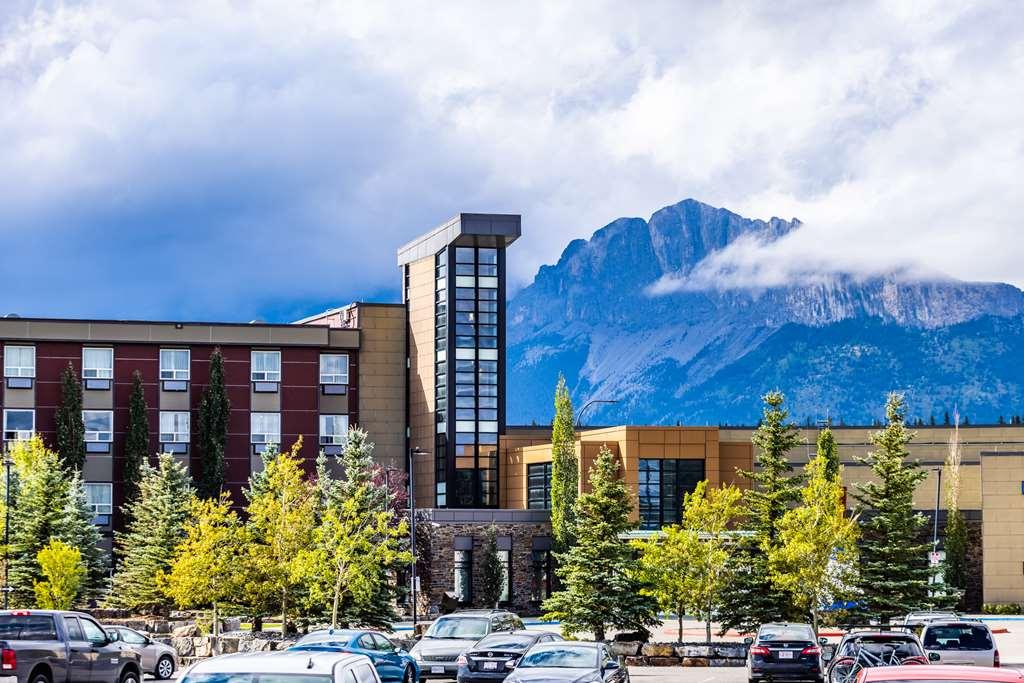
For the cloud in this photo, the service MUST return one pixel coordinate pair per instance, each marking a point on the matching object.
(208, 158)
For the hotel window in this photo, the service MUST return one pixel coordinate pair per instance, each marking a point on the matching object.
(175, 427)
(266, 428)
(662, 484)
(19, 424)
(174, 364)
(100, 497)
(266, 366)
(505, 558)
(99, 426)
(464, 576)
(333, 430)
(97, 363)
(19, 366)
(538, 477)
(333, 368)
(541, 566)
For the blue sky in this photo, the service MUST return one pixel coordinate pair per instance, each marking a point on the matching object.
(208, 159)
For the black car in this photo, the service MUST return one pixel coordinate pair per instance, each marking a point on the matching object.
(868, 648)
(496, 655)
(784, 652)
(568, 662)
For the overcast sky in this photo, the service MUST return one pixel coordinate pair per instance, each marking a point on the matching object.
(231, 160)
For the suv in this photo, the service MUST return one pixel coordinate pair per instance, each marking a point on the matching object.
(784, 652)
(437, 653)
(959, 641)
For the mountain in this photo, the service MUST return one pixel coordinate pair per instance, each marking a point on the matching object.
(703, 355)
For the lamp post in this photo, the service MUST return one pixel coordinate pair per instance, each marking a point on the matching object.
(579, 413)
(413, 453)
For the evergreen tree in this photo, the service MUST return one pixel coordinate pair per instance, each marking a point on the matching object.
(945, 418)
(76, 528)
(136, 449)
(148, 546)
(492, 578)
(70, 437)
(828, 451)
(894, 562)
(214, 415)
(753, 598)
(601, 587)
(564, 470)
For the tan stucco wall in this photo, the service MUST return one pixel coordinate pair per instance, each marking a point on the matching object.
(382, 381)
(421, 374)
(1003, 527)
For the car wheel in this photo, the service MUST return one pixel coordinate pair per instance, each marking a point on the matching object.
(409, 676)
(39, 677)
(164, 668)
(129, 676)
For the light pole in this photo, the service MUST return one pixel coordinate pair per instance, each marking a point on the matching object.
(413, 452)
(579, 413)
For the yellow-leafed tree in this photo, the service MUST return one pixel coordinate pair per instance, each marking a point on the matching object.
(64, 571)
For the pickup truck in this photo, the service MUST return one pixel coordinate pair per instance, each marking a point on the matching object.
(50, 646)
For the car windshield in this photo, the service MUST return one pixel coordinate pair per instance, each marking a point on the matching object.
(504, 641)
(957, 637)
(786, 633)
(236, 677)
(563, 657)
(882, 646)
(27, 627)
(324, 638)
(462, 628)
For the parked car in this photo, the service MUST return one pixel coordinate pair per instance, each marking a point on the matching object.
(449, 636)
(155, 658)
(868, 648)
(939, 674)
(925, 616)
(784, 651)
(968, 643)
(568, 661)
(288, 666)
(52, 646)
(494, 657)
(392, 662)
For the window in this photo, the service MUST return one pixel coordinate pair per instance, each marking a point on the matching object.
(538, 477)
(505, 557)
(464, 576)
(266, 366)
(333, 368)
(266, 427)
(333, 430)
(100, 498)
(174, 364)
(93, 633)
(19, 424)
(541, 566)
(99, 425)
(175, 427)
(97, 363)
(662, 484)
(19, 361)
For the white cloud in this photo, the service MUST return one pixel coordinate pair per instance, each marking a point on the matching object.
(306, 140)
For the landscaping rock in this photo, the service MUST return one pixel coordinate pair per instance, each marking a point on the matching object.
(203, 647)
(718, 661)
(696, 661)
(183, 646)
(228, 645)
(231, 624)
(186, 631)
(731, 651)
(658, 650)
(695, 650)
(624, 648)
(663, 661)
(636, 661)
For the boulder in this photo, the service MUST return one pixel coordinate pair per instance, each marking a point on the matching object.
(663, 661)
(696, 661)
(719, 661)
(695, 650)
(262, 645)
(658, 650)
(186, 631)
(183, 646)
(636, 661)
(624, 648)
(231, 624)
(738, 651)
(229, 645)
(203, 646)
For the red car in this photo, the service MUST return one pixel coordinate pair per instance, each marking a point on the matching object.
(937, 674)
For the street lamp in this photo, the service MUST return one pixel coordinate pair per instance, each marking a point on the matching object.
(579, 414)
(413, 453)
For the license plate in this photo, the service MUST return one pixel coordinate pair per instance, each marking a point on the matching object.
(786, 654)
(437, 669)
(490, 666)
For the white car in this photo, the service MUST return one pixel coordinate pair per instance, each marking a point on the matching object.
(289, 666)
(962, 642)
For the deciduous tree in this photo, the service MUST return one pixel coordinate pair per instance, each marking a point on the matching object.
(955, 568)
(62, 567)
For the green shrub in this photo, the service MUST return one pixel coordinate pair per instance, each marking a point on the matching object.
(1002, 608)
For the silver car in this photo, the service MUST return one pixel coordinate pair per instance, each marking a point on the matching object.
(157, 659)
(290, 666)
(962, 641)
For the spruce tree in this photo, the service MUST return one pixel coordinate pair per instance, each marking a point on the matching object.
(600, 576)
(136, 449)
(76, 528)
(893, 559)
(156, 528)
(828, 451)
(492, 578)
(70, 438)
(753, 598)
(214, 415)
(564, 470)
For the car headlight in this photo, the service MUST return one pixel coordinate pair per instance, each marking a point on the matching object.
(417, 655)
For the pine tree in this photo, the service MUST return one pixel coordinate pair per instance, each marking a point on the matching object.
(214, 414)
(136, 449)
(753, 598)
(70, 437)
(828, 451)
(492, 579)
(564, 470)
(601, 586)
(76, 528)
(894, 562)
(36, 516)
(148, 546)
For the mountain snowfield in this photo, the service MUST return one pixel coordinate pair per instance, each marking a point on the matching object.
(631, 315)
